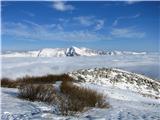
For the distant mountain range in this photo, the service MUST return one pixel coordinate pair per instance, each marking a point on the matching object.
(64, 52)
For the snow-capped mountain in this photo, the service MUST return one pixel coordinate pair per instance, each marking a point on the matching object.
(63, 52)
(120, 79)
(49, 52)
(74, 51)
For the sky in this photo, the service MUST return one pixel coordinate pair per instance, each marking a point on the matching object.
(130, 26)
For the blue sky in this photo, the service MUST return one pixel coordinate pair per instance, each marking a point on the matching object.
(98, 25)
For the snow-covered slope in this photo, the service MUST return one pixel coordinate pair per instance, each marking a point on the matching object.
(131, 96)
(20, 54)
(74, 51)
(120, 79)
(125, 105)
(62, 52)
(49, 52)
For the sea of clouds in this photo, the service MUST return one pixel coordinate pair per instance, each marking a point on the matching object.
(19, 67)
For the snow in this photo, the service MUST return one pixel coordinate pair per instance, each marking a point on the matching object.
(75, 51)
(53, 52)
(49, 52)
(119, 79)
(125, 105)
(14, 108)
(21, 54)
(63, 52)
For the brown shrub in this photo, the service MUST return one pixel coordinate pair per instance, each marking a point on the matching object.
(5, 82)
(37, 92)
(68, 106)
(47, 79)
(73, 99)
(78, 98)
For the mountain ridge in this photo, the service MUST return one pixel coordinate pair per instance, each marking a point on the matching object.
(120, 79)
(67, 52)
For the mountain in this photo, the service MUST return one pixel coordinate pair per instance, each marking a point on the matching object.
(121, 79)
(125, 104)
(63, 52)
(75, 51)
(50, 52)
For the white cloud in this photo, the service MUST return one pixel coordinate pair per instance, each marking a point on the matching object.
(126, 33)
(62, 6)
(90, 21)
(115, 22)
(130, 2)
(100, 24)
(34, 31)
(30, 14)
(85, 20)
(125, 17)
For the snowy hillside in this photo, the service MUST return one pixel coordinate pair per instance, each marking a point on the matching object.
(123, 91)
(49, 52)
(120, 79)
(74, 51)
(62, 52)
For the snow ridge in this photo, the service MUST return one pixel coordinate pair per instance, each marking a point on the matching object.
(120, 79)
(65, 52)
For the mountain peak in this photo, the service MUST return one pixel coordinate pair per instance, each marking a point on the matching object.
(72, 51)
(73, 47)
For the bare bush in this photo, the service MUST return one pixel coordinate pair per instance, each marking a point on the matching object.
(78, 98)
(5, 82)
(37, 92)
(47, 79)
(70, 100)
